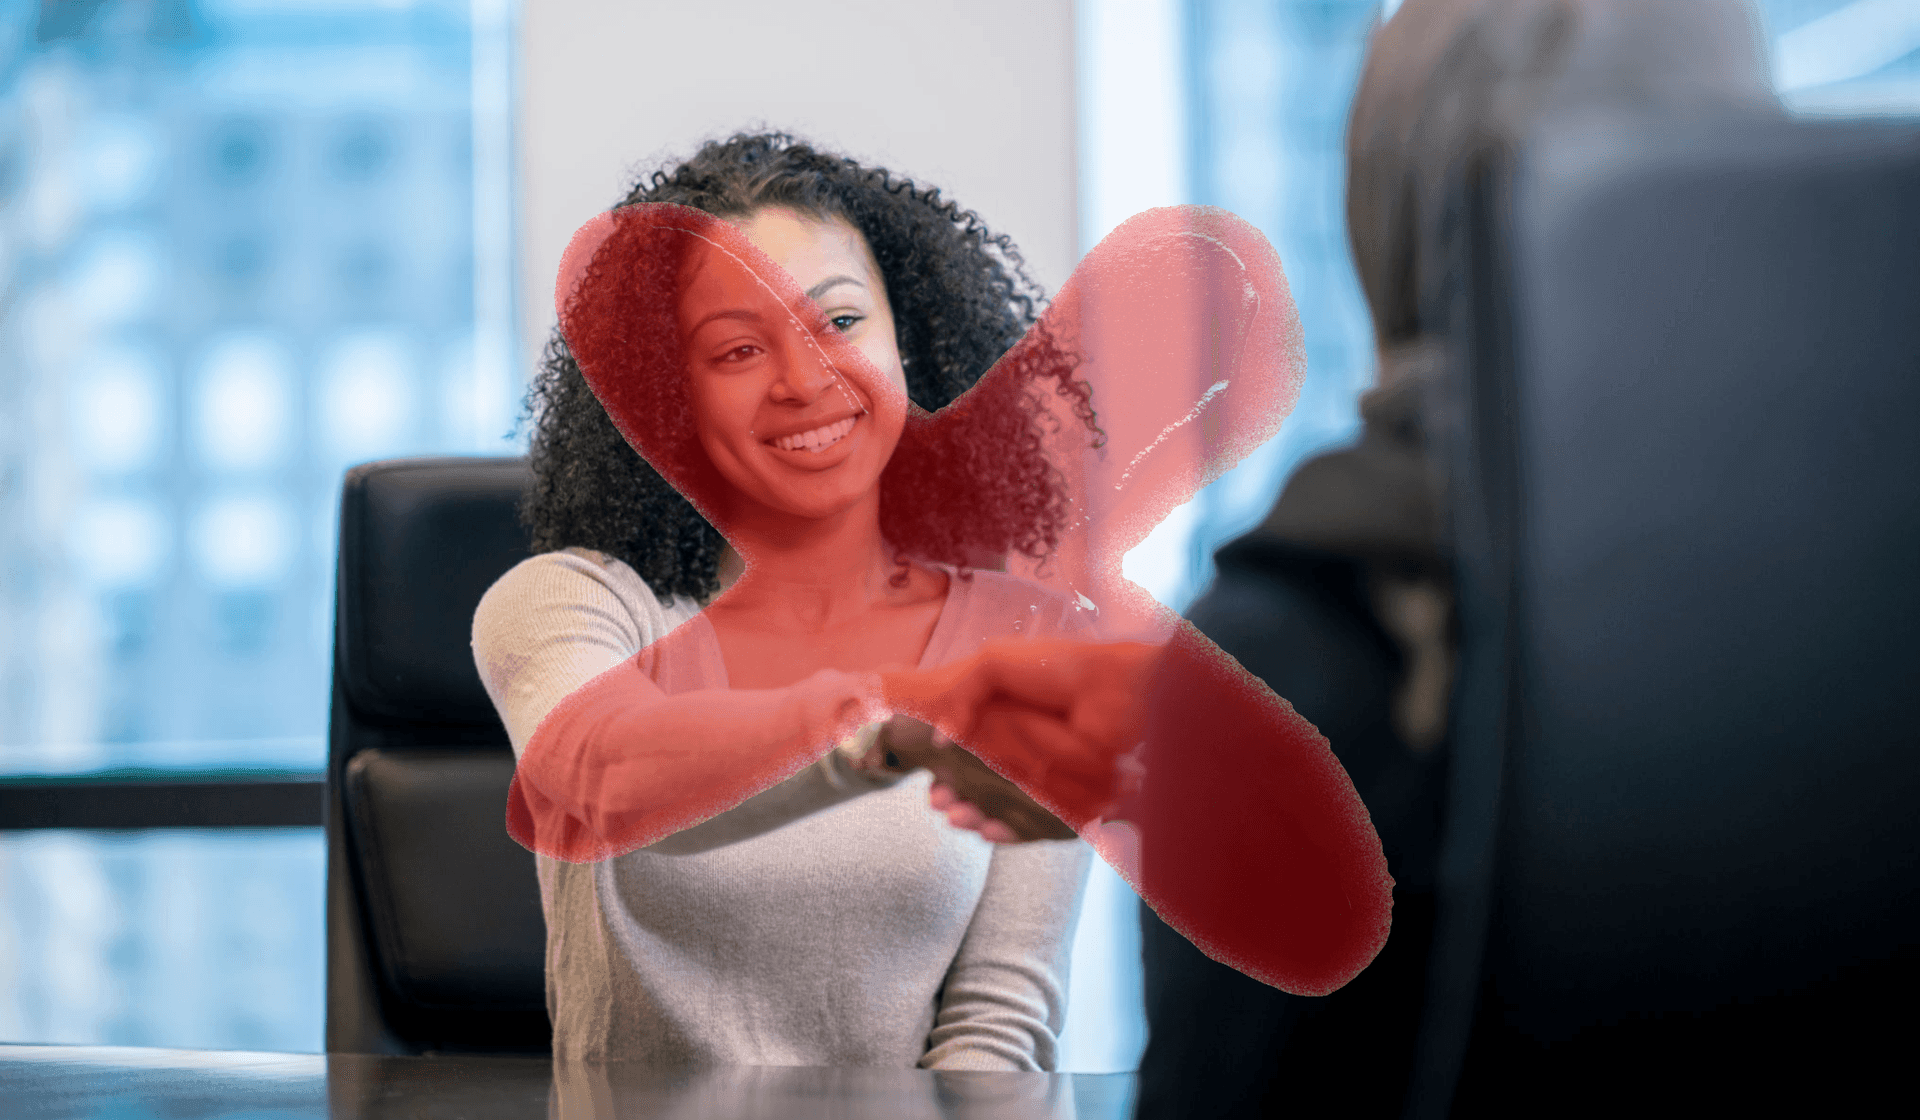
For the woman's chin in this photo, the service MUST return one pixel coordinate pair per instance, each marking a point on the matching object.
(820, 484)
(818, 503)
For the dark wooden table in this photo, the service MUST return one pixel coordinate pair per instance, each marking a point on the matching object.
(84, 1082)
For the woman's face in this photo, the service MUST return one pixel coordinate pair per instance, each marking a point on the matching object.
(798, 407)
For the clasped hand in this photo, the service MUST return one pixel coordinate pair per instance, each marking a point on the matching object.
(1026, 740)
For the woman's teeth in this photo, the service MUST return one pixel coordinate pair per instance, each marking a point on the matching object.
(818, 438)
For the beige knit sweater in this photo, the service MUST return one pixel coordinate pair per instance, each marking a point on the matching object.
(834, 919)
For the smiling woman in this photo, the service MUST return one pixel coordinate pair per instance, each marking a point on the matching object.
(678, 772)
(784, 909)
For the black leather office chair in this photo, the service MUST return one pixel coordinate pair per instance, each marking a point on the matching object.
(435, 940)
(1682, 851)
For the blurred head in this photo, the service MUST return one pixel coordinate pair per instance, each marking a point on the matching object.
(926, 298)
(1446, 79)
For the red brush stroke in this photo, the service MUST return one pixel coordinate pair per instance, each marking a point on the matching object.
(1246, 835)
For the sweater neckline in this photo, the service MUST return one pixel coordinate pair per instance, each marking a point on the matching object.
(937, 641)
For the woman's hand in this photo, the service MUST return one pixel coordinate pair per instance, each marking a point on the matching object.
(1058, 717)
(971, 795)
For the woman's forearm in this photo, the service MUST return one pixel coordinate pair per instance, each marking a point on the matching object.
(568, 645)
(619, 764)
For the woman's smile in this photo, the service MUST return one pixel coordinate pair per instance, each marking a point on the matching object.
(815, 442)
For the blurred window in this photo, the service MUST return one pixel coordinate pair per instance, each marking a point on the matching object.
(236, 223)
(196, 938)
(244, 244)
(1846, 57)
(1269, 86)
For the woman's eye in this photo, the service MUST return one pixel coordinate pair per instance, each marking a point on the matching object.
(844, 323)
(740, 353)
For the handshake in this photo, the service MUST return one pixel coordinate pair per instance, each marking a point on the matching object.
(1026, 740)
(1250, 840)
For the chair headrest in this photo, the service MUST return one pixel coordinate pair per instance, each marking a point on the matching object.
(420, 541)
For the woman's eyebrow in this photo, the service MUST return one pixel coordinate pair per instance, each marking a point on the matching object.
(742, 313)
(815, 292)
(751, 316)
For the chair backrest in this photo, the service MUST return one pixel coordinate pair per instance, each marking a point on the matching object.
(1682, 847)
(435, 940)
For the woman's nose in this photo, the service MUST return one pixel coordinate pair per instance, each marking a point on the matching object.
(805, 375)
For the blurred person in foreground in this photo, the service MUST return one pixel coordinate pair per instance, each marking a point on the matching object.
(1341, 600)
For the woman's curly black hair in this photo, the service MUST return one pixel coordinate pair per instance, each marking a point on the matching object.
(961, 298)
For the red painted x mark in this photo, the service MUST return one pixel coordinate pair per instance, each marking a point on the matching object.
(1246, 835)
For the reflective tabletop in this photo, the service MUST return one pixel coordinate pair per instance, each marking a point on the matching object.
(86, 1082)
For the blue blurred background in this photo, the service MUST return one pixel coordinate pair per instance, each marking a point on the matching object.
(245, 243)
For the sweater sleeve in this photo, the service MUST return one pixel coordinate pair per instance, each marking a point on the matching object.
(1005, 997)
(607, 761)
